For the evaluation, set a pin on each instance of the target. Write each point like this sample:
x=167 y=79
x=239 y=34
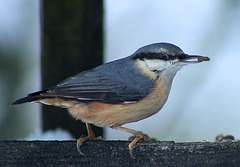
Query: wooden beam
x=115 y=153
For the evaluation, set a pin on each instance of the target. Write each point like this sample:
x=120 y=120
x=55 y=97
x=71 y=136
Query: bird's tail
x=31 y=98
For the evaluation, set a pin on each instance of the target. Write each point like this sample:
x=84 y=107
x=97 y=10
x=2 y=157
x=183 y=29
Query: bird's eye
x=165 y=57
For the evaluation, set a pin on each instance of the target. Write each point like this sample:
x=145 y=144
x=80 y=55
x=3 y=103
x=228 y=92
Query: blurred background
x=204 y=98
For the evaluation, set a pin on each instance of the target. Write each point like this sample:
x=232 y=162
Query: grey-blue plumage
x=114 y=83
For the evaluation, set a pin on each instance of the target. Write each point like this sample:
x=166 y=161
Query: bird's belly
x=107 y=115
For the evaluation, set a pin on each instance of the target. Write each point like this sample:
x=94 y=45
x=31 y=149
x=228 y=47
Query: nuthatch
x=119 y=92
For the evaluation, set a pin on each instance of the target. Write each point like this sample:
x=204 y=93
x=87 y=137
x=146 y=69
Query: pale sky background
x=204 y=98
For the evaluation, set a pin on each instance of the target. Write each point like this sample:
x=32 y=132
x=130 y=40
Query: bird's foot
x=138 y=136
x=90 y=136
x=80 y=142
x=146 y=138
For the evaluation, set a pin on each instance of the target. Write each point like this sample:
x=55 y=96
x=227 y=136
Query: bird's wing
x=92 y=86
x=114 y=83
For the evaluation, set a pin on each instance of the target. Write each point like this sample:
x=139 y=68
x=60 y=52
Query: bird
x=119 y=92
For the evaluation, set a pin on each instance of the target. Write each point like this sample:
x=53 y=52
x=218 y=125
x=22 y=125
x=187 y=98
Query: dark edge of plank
x=115 y=153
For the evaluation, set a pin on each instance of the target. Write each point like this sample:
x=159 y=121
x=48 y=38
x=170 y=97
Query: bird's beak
x=193 y=59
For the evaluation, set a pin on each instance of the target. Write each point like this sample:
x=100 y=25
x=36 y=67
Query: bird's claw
x=139 y=136
x=79 y=144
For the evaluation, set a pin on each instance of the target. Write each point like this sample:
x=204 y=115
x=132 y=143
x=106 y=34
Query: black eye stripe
x=181 y=56
x=161 y=56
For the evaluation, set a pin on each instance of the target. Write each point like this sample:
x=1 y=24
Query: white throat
x=159 y=69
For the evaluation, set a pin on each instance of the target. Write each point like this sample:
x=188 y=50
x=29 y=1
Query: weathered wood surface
x=115 y=153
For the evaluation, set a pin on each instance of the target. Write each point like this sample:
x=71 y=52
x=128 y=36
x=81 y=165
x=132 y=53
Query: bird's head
x=163 y=59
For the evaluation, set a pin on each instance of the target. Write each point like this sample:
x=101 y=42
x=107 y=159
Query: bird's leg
x=139 y=136
x=90 y=136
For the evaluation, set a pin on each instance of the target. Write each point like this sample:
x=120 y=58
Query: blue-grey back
x=115 y=82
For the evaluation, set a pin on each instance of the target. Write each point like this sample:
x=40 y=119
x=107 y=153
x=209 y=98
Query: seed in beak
x=200 y=59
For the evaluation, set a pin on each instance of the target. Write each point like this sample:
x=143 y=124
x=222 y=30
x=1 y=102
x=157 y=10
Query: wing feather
x=114 y=83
